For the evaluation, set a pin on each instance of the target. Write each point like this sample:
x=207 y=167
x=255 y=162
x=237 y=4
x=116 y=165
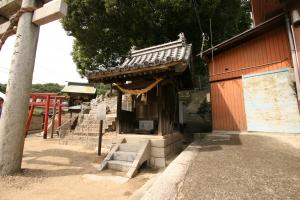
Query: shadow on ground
x=214 y=142
x=59 y=162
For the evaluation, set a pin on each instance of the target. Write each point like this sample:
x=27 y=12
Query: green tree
x=40 y=88
x=46 y=88
x=2 y=88
x=105 y=30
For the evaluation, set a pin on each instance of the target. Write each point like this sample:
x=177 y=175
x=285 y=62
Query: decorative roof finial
x=133 y=48
x=182 y=37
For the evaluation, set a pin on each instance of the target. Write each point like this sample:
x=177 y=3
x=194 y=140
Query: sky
x=53 y=62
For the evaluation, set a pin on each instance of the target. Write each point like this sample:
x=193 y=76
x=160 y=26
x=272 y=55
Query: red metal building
x=240 y=68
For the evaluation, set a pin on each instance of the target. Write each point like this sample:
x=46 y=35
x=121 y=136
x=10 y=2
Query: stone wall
x=197 y=111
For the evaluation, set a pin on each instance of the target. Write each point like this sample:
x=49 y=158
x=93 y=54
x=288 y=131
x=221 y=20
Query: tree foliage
x=2 y=88
x=40 y=88
x=46 y=88
x=105 y=30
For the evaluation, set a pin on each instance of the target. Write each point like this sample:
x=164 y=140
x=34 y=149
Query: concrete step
x=119 y=165
x=129 y=147
x=124 y=156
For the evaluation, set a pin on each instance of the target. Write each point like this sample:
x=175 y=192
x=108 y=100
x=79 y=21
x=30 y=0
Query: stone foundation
x=162 y=147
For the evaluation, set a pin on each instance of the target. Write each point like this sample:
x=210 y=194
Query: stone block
x=161 y=152
x=51 y=11
x=157 y=162
x=9 y=7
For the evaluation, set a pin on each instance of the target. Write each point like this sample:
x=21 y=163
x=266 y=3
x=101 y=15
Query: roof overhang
x=245 y=36
x=78 y=89
x=126 y=75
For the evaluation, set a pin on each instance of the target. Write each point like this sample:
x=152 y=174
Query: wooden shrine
x=152 y=76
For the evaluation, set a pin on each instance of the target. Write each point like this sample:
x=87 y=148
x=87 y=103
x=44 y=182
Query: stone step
x=119 y=165
x=124 y=156
x=129 y=147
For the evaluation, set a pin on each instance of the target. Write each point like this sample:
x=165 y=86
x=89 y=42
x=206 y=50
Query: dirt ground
x=53 y=171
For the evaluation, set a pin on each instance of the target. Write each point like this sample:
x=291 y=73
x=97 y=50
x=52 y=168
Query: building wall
x=265 y=9
x=270 y=49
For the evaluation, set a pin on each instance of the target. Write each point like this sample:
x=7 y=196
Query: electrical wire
x=205 y=38
x=195 y=6
x=211 y=44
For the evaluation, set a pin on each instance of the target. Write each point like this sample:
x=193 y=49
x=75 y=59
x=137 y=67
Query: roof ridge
x=181 y=40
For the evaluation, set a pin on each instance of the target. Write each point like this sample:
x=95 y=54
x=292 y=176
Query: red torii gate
x=47 y=100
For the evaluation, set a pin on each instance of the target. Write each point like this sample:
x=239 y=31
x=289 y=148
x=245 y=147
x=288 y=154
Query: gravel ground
x=243 y=167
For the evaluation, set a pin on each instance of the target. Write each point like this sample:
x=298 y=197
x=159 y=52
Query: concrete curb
x=169 y=182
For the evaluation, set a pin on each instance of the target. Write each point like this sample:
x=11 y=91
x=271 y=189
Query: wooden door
x=228 y=110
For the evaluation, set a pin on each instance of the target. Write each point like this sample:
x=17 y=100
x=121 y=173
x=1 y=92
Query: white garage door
x=271 y=102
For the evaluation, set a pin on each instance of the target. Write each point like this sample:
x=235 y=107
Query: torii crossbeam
x=15 y=111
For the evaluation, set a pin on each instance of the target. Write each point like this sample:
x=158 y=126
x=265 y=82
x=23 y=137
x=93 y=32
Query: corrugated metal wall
x=228 y=110
x=228 y=105
x=264 y=9
x=268 y=48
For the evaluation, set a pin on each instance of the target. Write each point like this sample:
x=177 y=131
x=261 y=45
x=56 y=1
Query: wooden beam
x=51 y=11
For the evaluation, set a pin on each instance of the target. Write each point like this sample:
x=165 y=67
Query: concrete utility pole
x=15 y=111
x=12 y=123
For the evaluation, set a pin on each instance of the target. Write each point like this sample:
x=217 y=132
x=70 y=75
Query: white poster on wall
x=271 y=102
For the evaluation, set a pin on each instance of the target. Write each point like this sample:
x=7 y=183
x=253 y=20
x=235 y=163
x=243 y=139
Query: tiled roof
x=79 y=89
x=165 y=54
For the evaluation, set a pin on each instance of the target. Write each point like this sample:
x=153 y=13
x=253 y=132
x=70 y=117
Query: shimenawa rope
x=12 y=28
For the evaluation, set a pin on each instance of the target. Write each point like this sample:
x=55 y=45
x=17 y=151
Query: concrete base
x=162 y=147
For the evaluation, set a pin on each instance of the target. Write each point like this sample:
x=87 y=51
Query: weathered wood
x=134 y=71
x=51 y=11
x=100 y=137
x=159 y=109
x=119 y=110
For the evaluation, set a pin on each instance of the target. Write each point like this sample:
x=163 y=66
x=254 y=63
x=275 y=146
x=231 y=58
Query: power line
x=211 y=45
x=205 y=38
x=195 y=6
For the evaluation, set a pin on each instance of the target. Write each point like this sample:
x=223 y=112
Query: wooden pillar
x=15 y=112
x=159 y=109
x=53 y=117
x=59 y=112
x=30 y=115
x=100 y=137
x=119 y=111
x=46 y=117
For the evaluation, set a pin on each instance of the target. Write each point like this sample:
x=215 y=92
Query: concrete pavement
x=232 y=166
